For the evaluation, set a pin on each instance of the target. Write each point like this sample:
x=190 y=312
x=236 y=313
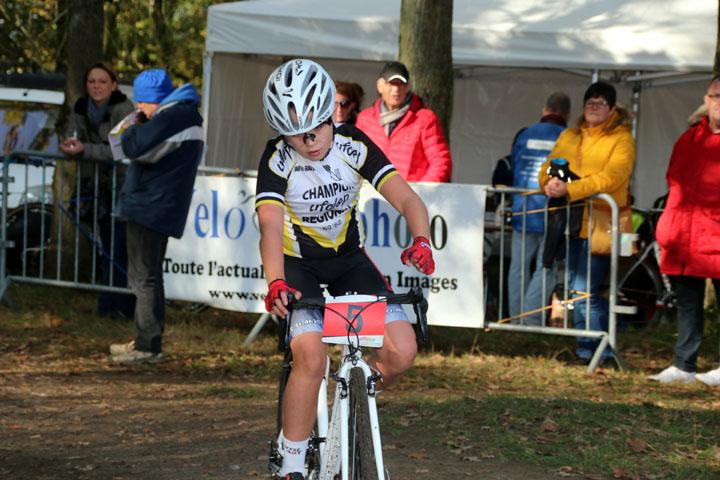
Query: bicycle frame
x=332 y=435
x=342 y=397
x=333 y=430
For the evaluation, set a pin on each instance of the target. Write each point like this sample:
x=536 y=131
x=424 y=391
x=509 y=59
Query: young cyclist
x=310 y=234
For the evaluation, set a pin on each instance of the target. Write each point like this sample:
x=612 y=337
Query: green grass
x=480 y=394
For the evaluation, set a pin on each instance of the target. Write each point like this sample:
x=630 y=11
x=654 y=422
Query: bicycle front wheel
x=362 y=455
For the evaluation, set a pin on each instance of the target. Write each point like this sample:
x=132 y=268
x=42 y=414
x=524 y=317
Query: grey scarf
x=390 y=118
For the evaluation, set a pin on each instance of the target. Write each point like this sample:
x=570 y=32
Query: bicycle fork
x=322 y=410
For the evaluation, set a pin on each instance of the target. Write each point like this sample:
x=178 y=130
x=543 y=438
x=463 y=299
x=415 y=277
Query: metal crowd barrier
x=68 y=210
x=607 y=339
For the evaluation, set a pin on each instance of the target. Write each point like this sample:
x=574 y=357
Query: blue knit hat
x=152 y=86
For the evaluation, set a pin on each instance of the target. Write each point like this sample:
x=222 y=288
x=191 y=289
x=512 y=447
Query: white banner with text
x=217 y=261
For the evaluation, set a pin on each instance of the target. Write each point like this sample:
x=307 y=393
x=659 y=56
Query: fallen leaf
x=637 y=445
x=564 y=472
x=420 y=454
x=624 y=474
x=549 y=425
x=471 y=459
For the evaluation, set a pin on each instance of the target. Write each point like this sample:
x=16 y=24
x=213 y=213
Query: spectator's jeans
x=599 y=309
x=112 y=304
x=534 y=245
x=690 y=293
x=146 y=252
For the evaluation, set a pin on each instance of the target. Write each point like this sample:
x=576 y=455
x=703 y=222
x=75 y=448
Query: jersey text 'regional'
x=320 y=197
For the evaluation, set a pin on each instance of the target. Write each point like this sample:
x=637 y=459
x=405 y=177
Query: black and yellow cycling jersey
x=320 y=197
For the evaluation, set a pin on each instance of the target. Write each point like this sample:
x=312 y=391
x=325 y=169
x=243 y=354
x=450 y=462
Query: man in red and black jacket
x=407 y=132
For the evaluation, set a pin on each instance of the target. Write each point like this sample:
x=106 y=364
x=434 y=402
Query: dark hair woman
x=93 y=116
x=348 y=97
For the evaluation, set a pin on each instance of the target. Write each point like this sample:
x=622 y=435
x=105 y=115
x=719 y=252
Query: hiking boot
x=711 y=378
x=135 y=357
x=122 y=348
x=293 y=476
x=674 y=374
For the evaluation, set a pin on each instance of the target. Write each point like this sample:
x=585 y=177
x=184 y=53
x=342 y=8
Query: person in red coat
x=689 y=235
x=407 y=132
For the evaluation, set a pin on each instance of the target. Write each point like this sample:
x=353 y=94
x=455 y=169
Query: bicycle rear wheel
x=642 y=287
x=362 y=455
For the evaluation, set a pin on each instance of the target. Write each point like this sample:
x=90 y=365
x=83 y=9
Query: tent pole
x=205 y=101
x=636 y=89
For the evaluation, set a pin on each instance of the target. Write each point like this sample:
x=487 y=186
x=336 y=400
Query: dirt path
x=89 y=420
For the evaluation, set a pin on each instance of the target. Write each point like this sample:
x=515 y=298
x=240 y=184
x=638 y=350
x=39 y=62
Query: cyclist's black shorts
x=352 y=272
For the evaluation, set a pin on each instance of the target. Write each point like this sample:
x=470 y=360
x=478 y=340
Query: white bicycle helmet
x=299 y=96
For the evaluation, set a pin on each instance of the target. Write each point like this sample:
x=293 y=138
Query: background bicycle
x=640 y=283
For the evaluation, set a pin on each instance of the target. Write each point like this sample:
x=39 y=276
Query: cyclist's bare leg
x=301 y=392
x=397 y=353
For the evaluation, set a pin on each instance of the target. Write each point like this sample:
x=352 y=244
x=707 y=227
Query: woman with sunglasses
x=348 y=97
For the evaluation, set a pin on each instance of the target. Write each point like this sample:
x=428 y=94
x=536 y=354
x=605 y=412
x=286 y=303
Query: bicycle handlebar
x=413 y=297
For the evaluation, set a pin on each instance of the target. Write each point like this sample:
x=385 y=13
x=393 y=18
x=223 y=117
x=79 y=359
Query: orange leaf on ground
x=624 y=474
x=549 y=425
x=637 y=445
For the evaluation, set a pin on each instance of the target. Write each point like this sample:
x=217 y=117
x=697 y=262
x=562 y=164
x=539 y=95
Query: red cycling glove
x=276 y=286
x=420 y=250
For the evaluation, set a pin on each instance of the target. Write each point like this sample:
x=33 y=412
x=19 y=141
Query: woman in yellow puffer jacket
x=601 y=151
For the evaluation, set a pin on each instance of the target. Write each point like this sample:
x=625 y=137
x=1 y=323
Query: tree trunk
x=85 y=43
x=426 y=50
x=161 y=10
x=85 y=23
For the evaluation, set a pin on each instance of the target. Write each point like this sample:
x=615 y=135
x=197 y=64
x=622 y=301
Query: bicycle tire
x=15 y=227
x=362 y=455
x=643 y=288
x=284 y=375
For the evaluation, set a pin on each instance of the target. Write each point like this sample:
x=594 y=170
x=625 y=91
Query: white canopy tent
x=508 y=55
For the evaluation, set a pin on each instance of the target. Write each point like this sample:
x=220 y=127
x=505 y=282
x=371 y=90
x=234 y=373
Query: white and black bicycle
x=346 y=443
